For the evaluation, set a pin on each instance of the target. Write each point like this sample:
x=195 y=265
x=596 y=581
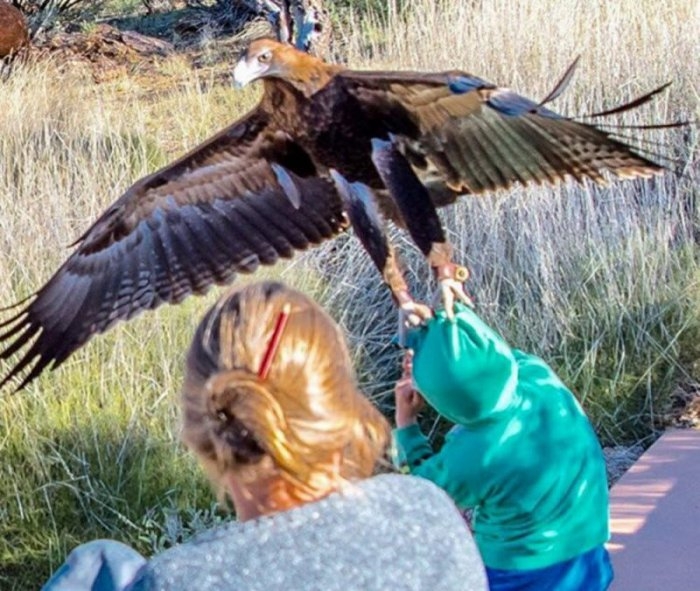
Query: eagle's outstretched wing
x=467 y=136
x=233 y=203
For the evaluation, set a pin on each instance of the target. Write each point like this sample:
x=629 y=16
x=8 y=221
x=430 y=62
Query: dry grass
x=603 y=282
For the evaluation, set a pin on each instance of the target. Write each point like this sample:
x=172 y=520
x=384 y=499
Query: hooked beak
x=246 y=72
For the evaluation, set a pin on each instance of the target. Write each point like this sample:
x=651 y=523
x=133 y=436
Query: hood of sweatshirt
x=463 y=368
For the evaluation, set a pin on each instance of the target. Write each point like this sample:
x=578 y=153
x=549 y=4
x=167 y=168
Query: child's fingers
x=403 y=387
x=407 y=363
x=416 y=399
x=403 y=382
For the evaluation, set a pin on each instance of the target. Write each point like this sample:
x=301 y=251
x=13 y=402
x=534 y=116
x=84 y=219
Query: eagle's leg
x=411 y=312
x=450 y=277
x=422 y=221
x=361 y=209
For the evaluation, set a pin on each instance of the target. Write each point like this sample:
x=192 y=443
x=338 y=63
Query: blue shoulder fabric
x=101 y=565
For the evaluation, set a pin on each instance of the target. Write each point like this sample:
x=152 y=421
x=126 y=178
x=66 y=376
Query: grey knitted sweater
x=389 y=532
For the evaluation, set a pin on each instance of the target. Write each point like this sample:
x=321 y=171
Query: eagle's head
x=267 y=58
x=264 y=58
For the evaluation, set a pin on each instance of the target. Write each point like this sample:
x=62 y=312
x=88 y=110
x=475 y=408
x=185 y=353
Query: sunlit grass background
x=603 y=282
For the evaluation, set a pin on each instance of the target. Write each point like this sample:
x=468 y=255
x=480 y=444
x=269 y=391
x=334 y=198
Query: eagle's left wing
x=474 y=137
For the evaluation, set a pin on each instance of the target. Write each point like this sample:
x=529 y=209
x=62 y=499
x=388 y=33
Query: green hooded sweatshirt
x=522 y=454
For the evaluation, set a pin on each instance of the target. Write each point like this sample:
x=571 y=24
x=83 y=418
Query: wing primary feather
x=558 y=155
x=638 y=143
x=645 y=154
x=562 y=84
x=75 y=302
x=29 y=331
x=15 y=306
x=593 y=151
x=13 y=319
x=630 y=105
x=27 y=359
x=62 y=334
x=51 y=328
x=55 y=298
x=650 y=126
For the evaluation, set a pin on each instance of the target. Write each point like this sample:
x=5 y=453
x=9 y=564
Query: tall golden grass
x=603 y=282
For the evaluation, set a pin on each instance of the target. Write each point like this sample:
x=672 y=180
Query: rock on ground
x=14 y=33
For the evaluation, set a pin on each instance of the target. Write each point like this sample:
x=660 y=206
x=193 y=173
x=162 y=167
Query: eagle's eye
x=265 y=57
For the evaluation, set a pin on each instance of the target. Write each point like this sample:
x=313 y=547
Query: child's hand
x=408 y=401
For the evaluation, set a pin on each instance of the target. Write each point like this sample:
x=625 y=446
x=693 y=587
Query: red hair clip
x=274 y=342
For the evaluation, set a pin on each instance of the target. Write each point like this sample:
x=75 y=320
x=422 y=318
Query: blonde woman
x=271 y=409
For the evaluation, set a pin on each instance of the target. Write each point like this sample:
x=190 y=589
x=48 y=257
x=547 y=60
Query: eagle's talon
x=411 y=315
x=451 y=291
x=414 y=313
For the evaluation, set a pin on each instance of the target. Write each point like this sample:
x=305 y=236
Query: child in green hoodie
x=523 y=455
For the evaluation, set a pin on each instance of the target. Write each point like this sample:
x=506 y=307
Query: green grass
x=601 y=282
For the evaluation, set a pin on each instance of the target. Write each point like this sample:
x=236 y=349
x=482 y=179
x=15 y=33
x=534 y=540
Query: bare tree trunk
x=303 y=23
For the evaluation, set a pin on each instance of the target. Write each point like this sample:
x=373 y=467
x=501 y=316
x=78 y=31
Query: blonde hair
x=303 y=414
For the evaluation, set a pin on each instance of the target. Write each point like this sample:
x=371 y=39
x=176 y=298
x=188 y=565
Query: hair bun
x=226 y=406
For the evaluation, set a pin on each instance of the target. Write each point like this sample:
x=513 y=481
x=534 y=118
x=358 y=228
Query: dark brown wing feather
x=220 y=210
x=465 y=134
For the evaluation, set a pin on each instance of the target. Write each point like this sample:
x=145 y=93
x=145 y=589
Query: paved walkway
x=655 y=517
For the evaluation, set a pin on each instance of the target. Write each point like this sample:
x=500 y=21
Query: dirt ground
x=142 y=46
